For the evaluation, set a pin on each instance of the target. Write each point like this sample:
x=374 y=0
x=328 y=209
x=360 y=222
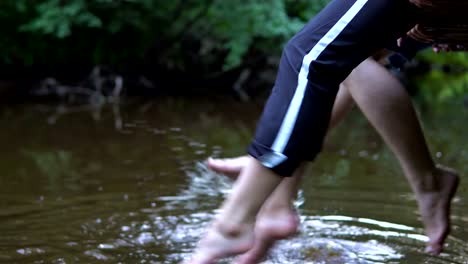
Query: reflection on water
x=81 y=191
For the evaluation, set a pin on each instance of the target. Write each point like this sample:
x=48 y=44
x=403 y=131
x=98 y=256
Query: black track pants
x=313 y=64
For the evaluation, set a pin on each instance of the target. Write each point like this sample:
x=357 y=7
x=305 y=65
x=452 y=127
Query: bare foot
x=221 y=241
x=434 y=206
x=231 y=167
x=269 y=228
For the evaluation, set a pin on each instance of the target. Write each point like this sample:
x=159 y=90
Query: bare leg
x=395 y=119
x=389 y=110
x=277 y=218
x=233 y=231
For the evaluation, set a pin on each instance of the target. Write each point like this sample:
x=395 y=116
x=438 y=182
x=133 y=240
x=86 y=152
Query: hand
x=399 y=42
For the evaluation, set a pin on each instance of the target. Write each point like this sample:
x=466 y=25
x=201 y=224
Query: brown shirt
x=441 y=21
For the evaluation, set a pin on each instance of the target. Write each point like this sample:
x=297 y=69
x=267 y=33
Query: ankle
x=277 y=210
x=232 y=229
x=430 y=182
x=435 y=179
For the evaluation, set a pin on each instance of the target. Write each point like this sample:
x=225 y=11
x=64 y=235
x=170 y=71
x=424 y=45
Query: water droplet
x=96 y=254
x=145 y=238
x=145 y=227
x=71 y=244
x=106 y=246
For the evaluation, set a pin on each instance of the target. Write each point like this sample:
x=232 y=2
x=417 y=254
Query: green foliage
x=304 y=9
x=108 y=31
x=241 y=24
x=96 y=31
x=58 y=19
x=449 y=58
x=447 y=79
x=202 y=36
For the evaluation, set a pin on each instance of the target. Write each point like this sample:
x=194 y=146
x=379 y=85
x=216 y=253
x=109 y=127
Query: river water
x=127 y=184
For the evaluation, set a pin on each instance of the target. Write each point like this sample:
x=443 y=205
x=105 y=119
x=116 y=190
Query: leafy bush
x=109 y=31
x=447 y=78
x=201 y=36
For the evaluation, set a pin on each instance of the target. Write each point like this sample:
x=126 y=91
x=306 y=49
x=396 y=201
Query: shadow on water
x=78 y=190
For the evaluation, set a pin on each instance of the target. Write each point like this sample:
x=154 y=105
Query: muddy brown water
x=128 y=185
